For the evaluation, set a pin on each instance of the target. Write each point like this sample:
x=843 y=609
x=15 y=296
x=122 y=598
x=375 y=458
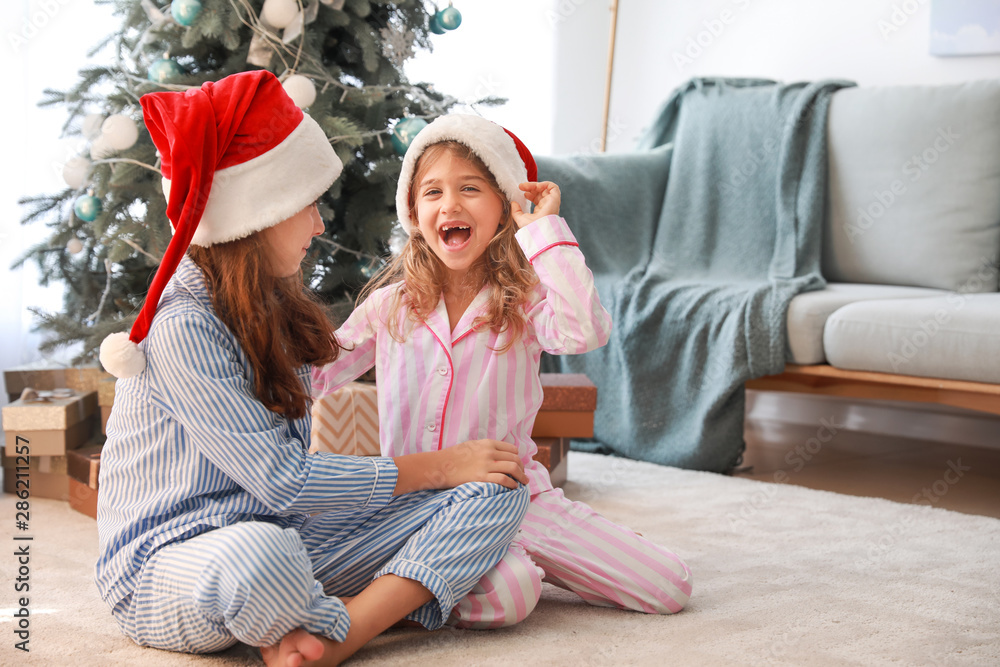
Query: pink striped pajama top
x=441 y=387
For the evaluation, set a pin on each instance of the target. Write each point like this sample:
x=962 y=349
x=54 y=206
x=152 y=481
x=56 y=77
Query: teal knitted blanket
x=698 y=242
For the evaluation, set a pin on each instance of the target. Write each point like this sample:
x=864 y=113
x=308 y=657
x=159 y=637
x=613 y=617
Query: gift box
x=53 y=485
x=84 y=464
x=105 y=401
x=552 y=453
x=568 y=404
x=46 y=376
x=346 y=421
x=40 y=375
x=51 y=426
x=82 y=498
x=86 y=379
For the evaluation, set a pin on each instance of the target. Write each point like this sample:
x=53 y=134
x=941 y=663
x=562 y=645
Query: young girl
x=215 y=524
x=455 y=327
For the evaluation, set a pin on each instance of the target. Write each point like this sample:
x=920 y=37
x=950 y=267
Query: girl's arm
x=472 y=461
x=357 y=337
x=197 y=377
x=569 y=317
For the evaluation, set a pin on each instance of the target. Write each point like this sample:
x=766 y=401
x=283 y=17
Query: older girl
x=215 y=524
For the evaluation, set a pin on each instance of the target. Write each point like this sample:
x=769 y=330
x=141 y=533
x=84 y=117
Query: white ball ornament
x=75 y=172
x=301 y=89
x=100 y=148
x=279 y=13
x=91 y=127
x=74 y=246
x=120 y=132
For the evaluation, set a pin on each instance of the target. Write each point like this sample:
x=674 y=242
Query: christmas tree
x=340 y=60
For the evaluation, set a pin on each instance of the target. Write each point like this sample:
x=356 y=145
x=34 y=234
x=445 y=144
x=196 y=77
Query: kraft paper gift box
x=552 y=453
x=568 y=404
x=82 y=498
x=84 y=464
x=46 y=376
x=39 y=375
x=52 y=485
x=105 y=400
x=53 y=427
x=346 y=421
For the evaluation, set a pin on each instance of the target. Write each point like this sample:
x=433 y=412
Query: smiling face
x=457 y=209
x=289 y=240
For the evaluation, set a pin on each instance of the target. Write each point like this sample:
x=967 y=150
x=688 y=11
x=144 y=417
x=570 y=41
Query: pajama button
x=430 y=427
x=443 y=370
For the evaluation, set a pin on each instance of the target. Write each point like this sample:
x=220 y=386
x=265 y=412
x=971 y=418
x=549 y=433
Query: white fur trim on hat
x=269 y=188
x=121 y=357
x=486 y=139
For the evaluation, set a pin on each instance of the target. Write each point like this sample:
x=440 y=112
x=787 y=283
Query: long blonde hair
x=502 y=267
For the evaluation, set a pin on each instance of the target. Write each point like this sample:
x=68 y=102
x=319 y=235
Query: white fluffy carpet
x=783 y=575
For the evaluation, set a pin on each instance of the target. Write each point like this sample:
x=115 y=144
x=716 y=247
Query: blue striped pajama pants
x=255 y=582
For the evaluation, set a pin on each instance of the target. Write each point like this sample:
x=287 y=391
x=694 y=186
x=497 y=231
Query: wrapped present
x=53 y=485
x=552 y=453
x=346 y=421
x=46 y=376
x=47 y=464
x=51 y=424
x=84 y=464
x=40 y=375
x=568 y=405
x=105 y=401
x=106 y=392
x=86 y=379
x=82 y=498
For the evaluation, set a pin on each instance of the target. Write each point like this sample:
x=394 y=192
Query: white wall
x=881 y=42
x=502 y=50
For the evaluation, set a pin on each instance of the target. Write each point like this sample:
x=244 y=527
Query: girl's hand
x=546 y=198
x=472 y=461
x=483 y=461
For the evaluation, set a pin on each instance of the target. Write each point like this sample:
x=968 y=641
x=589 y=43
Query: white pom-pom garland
x=121 y=357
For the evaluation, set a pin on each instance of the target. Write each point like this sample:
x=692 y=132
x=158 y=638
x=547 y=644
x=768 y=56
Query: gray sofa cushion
x=808 y=312
x=955 y=336
x=915 y=186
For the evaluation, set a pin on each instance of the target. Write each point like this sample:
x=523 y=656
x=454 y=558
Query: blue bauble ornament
x=185 y=11
x=164 y=70
x=404 y=133
x=435 y=26
x=449 y=18
x=87 y=207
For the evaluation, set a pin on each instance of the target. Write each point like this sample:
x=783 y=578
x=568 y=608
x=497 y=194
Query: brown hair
x=503 y=268
x=278 y=322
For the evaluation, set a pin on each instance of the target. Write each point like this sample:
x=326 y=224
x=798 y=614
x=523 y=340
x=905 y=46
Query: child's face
x=457 y=211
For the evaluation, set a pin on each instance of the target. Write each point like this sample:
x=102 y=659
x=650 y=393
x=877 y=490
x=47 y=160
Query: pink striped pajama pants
x=568 y=544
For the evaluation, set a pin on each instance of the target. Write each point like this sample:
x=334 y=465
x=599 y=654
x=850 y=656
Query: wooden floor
x=954 y=477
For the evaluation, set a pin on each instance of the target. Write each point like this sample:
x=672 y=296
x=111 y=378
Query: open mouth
x=456 y=236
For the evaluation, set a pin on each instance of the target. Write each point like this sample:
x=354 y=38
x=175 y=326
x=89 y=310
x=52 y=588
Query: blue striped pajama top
x=190 y=448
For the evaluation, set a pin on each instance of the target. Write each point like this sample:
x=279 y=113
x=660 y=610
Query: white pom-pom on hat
x=121 y=357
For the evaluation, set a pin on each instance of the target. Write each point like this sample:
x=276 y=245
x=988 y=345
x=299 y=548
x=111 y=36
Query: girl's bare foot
x=294 y=649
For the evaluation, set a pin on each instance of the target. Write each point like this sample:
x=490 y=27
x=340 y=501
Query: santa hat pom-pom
x=121 y=357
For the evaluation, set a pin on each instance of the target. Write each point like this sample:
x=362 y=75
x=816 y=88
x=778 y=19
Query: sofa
x=907 y=241
x=911 y=243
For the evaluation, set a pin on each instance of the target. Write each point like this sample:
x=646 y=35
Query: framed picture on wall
x=965 y=27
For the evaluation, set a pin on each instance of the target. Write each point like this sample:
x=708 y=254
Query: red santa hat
x=507 y=158
x=237 y=156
